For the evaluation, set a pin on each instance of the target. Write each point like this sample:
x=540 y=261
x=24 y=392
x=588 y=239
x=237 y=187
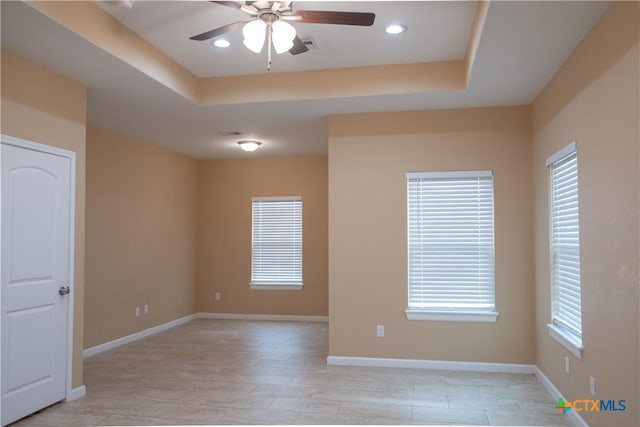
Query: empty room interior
x=320 y=212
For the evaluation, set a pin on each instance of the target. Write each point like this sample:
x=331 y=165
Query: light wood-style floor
x=243 y=372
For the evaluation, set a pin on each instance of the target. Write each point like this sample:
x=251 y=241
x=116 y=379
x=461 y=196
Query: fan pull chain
x=269 y=34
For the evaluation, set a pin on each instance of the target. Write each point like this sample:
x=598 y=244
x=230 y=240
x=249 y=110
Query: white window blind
x=565 y=243
x=450 y=233
x=276 y=241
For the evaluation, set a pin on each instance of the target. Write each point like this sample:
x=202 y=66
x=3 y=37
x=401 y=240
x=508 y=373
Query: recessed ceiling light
x=222 y=43
x=249 y=145
x=395 y=29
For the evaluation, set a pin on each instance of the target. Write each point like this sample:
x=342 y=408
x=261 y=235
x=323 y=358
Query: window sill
x=263 y=287
x=567 y=341
x=452 y=316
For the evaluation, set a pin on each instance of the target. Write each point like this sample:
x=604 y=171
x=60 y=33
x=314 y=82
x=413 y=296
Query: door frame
x=71 y=155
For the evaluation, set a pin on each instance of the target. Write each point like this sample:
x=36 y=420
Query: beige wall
x=141 y=236
x=224 y=247
x=369 y=155
x=593 y=100
x=42 y=106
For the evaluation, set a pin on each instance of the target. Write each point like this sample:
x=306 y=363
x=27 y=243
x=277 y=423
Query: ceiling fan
x=269 y=21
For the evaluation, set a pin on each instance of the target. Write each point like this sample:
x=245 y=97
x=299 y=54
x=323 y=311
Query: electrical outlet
x=380 y=331
x=217 y=296
x=138 y=311
x=592 y=386
x=146 y=309
x=566 y=365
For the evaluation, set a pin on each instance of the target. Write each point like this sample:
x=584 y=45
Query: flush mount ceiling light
x=395 y=29
x=249 y=145
x=221 y=43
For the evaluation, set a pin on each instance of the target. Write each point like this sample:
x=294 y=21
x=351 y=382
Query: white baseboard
x=574 y=416
x=267 y=317
x=431 y=364
x=147 y=332
x=138 y=335
x=76 y=393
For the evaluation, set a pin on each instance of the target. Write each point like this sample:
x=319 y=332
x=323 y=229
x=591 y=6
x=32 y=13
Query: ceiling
x=520 y=47
x=168 y=26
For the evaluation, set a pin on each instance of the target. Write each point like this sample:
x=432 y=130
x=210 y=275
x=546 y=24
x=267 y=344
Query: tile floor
x=243 y=372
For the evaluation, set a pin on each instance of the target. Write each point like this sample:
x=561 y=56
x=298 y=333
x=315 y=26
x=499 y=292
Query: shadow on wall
x=587 y=66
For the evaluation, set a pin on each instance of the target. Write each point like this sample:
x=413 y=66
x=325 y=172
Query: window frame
x=454 y=314
x=562 y=334
x=263 y=285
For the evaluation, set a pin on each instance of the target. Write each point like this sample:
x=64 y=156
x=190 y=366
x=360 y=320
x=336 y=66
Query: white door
x=36 y=259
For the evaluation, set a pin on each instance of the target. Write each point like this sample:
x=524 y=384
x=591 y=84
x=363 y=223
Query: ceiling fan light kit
x=283 y=35
x=269 y=22
x=254 y=33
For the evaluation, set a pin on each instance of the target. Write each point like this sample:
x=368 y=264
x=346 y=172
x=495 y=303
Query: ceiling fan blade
x=285 y=5
x=340 y=18
x=243 y=6
x=233 y=4
x=219 y=31
x=247 y=8
x=290 y=17
x=298 y=47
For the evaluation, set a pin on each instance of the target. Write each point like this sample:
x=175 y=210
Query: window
x=566 y=317
x=450 y=245
x=276 y=243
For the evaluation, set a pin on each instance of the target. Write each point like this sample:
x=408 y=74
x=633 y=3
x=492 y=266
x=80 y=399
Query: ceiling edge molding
x=425 y=77
x=477 y=28
x=99 y=28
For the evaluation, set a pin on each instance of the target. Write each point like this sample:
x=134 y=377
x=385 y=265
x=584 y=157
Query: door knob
x=64 y=290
